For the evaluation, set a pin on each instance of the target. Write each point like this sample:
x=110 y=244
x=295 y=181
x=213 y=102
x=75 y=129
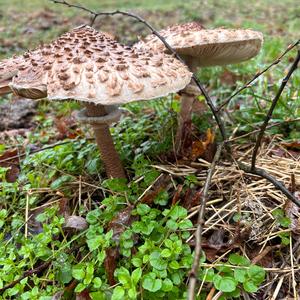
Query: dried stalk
x=200 y=224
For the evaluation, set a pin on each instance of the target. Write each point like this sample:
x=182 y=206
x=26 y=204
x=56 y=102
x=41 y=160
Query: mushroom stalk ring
x=113 y=115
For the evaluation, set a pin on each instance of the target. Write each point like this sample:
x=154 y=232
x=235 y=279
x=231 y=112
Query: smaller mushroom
x=201 y=47
x=91 y=67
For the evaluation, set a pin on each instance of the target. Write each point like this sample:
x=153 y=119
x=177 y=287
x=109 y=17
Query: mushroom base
x=109 y=155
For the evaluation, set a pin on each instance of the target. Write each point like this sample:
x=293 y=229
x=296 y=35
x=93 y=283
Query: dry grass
x=257 y=231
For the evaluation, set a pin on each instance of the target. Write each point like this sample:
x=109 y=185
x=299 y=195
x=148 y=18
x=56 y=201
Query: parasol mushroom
x=8 y=69
x=90 y=66
x=201 y=47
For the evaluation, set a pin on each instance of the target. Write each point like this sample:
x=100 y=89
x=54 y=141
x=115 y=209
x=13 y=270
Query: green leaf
x=152 y=284
x=174 y=265
x=132 y=293
x=177 y=212
x=92 y=216
x=250 y=287
x=240 y=275
x=92 y=166
x=136 y=275
x=166 y=253
x=284 y=221
x=176 y=278
x=99 y=295
x=277 y=213
x=97 y=283
x=60 y=181
x=116 y=184
x=224 y=283
x=118 y=293
x=137 y=262
x=143 y=209
x=167 y=285
x=207 y=275
x=123 y=276
x=171 y=224
x=64 y=273
x=256 y=274
x=89 y=274
x=95 y=243
x=78 y=272
x=238 y=260
x=185 y=224
x=285 y=238
x=168 y=243
x=157 y=262
x=237 y=217
x=224 y=269
x=162 y=198
x=235 y=294
x=80 y=287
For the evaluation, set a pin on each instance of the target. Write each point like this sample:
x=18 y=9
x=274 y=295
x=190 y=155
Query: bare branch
x=273 y=105
x=268 y=127
x=262 y=173
x=248 y=84
x=200 y=224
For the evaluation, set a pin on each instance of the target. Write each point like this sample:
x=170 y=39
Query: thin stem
x=273 y=105
x=109 y=155
x=200 y=224
x=248 y=84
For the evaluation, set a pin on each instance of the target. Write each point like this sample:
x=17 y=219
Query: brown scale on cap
x=70 y=67
x=210 y=46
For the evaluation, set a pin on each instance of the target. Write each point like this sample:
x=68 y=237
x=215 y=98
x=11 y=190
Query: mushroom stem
x=188 y=96
x=105 y=143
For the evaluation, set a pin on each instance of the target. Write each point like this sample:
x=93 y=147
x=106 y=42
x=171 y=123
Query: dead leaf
x=119 y=224
x=160 y=185
x=293 y=212
x=177 y=193
x=229 y=78
x=67 y=127
x=191 y=199
x=199 y=148
x=9 y=159
x=75 y=222
x=84 y=295
x=295 y=145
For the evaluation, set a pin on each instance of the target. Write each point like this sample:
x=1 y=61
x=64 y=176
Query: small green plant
x=233 y=276
x=284 y=222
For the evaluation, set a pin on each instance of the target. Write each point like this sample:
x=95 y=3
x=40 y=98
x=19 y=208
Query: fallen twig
x=268 y=127
x=276 y=183
x=200 y=223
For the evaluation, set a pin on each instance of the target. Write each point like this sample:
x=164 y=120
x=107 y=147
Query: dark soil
x=17 y=114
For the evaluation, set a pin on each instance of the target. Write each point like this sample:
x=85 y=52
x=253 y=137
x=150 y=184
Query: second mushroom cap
x=210 y=46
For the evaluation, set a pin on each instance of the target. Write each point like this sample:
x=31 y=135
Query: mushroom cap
x=88 y=65
x=209 y=46
x=8 y=69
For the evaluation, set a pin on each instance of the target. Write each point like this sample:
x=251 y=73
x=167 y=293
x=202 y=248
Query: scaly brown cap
x=210 y=46
x=90 y=66
x=8 y=69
